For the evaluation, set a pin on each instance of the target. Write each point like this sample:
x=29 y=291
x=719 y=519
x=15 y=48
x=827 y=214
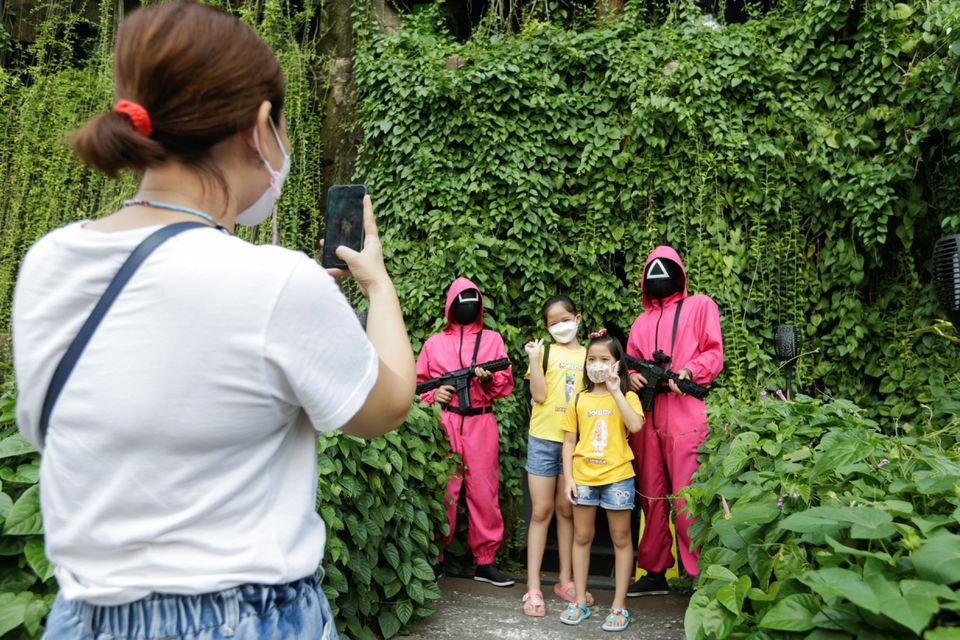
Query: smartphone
x=344 y=224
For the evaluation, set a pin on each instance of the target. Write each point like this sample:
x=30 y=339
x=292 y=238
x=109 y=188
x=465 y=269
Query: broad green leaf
x=37 y=559
x=392 y=555
x=25 y=474
x=938 y=559
x=793 y=613
x=842 y=583
x=942 y=633
x=6 y=502
x=389 y=624
x=23 y=519
x=14 y=445
x=423 y=570
x=404 y=611
x=902 y=11
x=13 y=608
x=842 y=548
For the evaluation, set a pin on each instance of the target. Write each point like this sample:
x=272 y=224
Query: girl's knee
x=582 y=537
x=541 y=513
x=564 y=511
x=621 y=538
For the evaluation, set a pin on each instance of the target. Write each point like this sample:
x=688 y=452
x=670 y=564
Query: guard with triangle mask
x=686 y=329
x=473 y=430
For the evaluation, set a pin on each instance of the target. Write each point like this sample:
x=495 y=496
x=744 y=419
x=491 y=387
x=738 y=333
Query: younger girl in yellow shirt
x=598 y=471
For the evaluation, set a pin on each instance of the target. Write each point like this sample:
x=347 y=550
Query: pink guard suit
x=665 y=450
x=475 y=438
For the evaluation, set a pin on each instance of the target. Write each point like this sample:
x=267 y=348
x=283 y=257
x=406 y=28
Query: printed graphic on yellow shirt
x=599 y=442
x=569 y=385
x=602 y=455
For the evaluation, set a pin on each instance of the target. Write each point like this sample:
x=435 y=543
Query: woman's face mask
x=564 y=332
x=267 y=202
x=598 y=372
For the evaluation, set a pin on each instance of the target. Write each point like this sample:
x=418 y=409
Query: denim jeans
x=248 y=612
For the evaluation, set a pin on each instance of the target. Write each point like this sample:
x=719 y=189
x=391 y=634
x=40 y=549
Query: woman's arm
x=391 y=397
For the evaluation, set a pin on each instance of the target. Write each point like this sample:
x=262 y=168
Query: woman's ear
x=262 y=128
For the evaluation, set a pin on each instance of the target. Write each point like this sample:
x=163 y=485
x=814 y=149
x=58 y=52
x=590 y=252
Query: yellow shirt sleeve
x=570 y=417
x=634 y=401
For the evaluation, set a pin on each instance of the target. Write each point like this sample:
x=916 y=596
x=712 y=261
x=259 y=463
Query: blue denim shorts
x=248 y=612
x=544 y=457
x=618 y=496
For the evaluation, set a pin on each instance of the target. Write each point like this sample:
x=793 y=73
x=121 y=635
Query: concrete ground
x=473 y=610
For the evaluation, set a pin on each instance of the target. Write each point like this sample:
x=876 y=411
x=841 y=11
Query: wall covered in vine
x=65 y=76
x=802 y=162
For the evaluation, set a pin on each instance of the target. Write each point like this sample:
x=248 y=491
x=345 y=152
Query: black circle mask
x=466 y=308
x=662 y=279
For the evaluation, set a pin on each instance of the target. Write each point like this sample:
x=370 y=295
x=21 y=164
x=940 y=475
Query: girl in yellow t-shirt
x=555 y=375
x=598 y=471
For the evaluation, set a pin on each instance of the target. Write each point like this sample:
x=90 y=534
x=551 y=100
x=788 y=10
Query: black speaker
x=786 y=343
x=946 y=276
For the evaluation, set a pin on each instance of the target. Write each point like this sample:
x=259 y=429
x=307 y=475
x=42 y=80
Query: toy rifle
x=657 y=373
x=461 y=378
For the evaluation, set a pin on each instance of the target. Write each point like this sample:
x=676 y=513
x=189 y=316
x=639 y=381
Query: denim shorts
x=544 y=457
x=618 y=496
x=248 y=612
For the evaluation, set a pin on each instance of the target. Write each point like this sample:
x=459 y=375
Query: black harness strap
x=676 y=322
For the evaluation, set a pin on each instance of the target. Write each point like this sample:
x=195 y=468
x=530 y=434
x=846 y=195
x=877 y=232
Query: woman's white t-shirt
x=180 y=456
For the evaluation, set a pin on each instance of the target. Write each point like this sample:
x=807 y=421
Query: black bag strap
x=75 y=350
x=476 y=349
x=676 y=322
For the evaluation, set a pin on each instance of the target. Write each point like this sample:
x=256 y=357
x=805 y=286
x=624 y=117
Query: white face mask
x=564 y=332
x=259 y=210
x=598 y=372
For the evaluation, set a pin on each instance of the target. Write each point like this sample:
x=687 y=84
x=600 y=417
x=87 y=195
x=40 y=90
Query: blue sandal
x=611 y=622
x=581 y=611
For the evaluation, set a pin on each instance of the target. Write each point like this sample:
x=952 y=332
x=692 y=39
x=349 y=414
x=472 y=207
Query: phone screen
x=344 y=224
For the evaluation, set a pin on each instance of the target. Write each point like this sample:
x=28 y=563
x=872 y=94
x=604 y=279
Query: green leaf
x=389 y=624
x=901 y=11
x=37 y=559
x=15 y=445
x=24 y=516
x=423 y=570
x=793 y=613
x=13 y=609
x=938 y=559
x=25 y=474
x=392 y=555
x=6 y=502
x=404 y=611
x=842 y=583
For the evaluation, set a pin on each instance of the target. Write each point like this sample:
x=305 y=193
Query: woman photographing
x=178 y=469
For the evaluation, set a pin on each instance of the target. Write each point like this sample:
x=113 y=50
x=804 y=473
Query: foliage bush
x=802 y=162
x=814 y=523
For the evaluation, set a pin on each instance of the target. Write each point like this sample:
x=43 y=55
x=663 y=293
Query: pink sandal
x=563 y=592
x=533 y=604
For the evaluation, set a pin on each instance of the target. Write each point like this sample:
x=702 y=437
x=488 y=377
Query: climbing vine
x=802 y=162
x=65 y=76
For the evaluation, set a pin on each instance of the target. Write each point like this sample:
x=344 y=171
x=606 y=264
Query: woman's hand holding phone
x=365 y=266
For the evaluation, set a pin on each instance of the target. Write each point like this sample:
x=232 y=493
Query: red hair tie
x=138 y=116
x=598 y=334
